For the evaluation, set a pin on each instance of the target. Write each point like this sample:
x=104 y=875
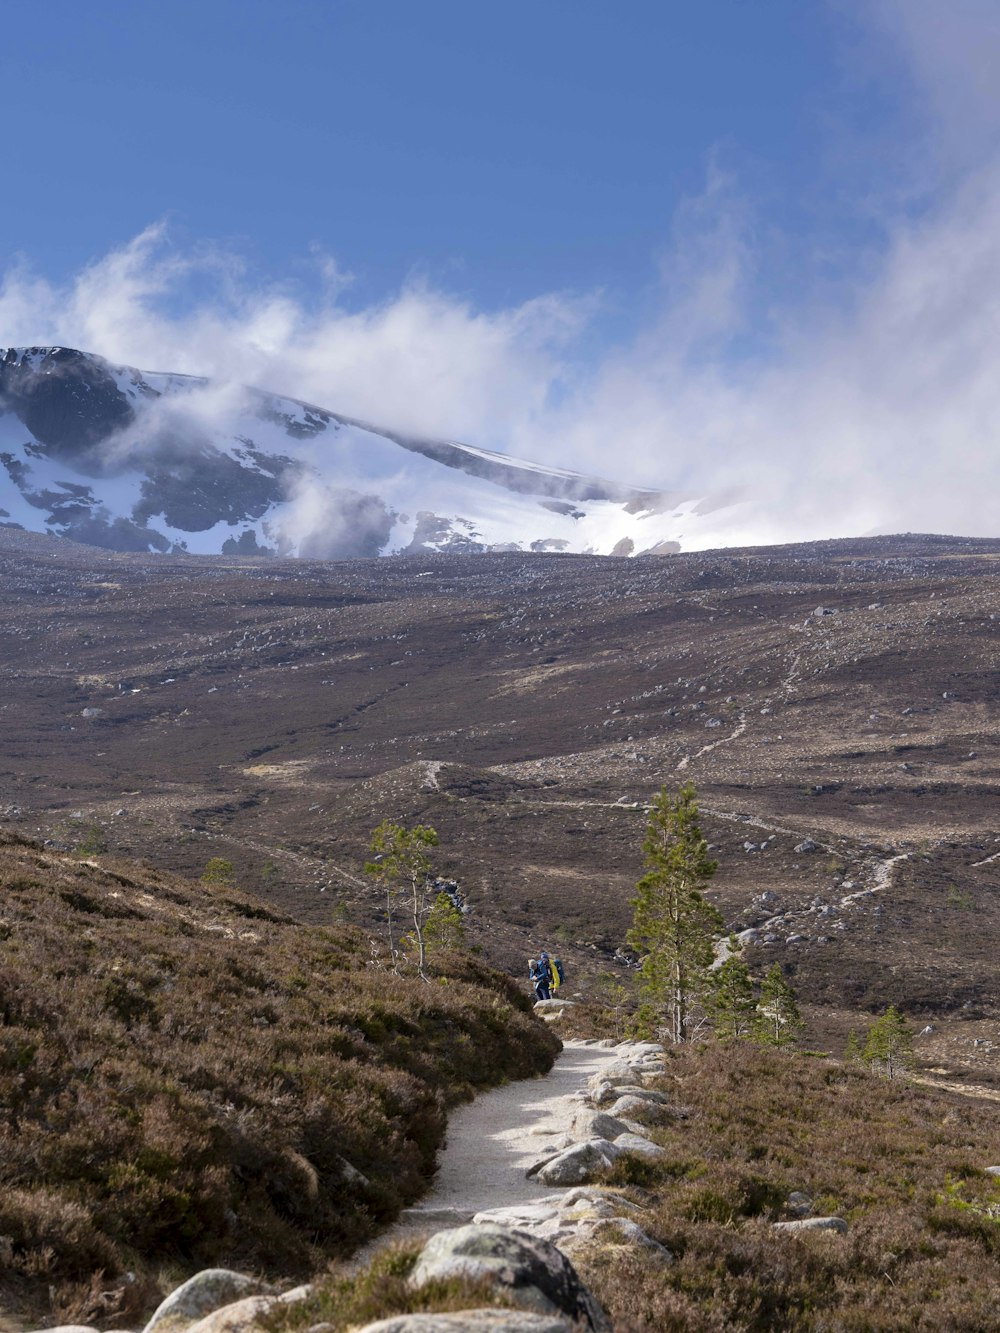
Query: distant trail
x=741 y=727
x=966 y=1089
x=318 y=866
x=994 y=857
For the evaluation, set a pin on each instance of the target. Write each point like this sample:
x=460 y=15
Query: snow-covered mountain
x=135 y=461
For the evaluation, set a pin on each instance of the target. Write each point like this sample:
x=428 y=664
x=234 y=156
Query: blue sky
x=747 y=244
x=499 y=149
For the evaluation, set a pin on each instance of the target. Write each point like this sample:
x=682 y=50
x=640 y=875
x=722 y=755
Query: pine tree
x=444 y=928
x=401 y=864
x=778 y=1022
x=732 y=1003
x=674 y=926
x=889 y=1046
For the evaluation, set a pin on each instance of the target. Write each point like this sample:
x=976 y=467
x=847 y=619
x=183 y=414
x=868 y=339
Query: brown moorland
x=901 y=1166
x=189 y=1078
x=840 y=697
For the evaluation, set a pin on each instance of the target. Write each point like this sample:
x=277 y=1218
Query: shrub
x=187 y=1077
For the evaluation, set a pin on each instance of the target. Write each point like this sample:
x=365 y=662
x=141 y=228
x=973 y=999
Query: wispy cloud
x=878 y=411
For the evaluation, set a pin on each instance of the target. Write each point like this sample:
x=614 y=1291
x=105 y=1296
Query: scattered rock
x=531 y=1271
x=799 y=1204
x=470 y=1321
x=813 y=1224
x=805 y=846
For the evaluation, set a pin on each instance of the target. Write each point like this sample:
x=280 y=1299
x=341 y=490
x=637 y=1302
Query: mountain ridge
x=136 y=460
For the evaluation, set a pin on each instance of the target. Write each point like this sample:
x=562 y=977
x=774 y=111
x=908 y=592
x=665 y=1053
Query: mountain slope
x=134 y=461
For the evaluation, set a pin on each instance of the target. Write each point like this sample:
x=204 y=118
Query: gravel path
x=493 y=1140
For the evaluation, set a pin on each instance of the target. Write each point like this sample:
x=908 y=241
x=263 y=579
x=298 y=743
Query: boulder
x=579 y=1163
x=588 y=1124
x=617 y=1233
x=637 y=1048
x=244 y=1316
x=471 y=1321
x=638 y=1107
x=208 y=1290
x=813 y=1224
x=253 y=1314
x=993 y=1170
x=640 y=1146
x=616 y=1072
x=607 y=1093
x=531 y=1272
x=561 y=1219
x=805 y=846
x=799 y=1204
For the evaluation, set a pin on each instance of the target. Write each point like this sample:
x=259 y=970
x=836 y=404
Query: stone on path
x=531 y=1271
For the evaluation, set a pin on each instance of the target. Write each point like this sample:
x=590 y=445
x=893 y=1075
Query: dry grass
x=184 y=1075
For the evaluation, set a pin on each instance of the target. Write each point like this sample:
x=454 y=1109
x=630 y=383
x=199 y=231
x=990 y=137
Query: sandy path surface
x=493 y=1140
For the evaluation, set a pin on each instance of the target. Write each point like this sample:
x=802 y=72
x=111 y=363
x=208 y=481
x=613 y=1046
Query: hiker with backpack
x=538 y=975
x=553 y=970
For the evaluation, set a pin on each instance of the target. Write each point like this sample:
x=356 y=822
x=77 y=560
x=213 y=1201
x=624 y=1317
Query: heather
x=189 y=1078
x=901 y=1163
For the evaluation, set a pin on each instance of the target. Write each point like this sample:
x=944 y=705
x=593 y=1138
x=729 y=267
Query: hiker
x=538 y=975
x=553 y=970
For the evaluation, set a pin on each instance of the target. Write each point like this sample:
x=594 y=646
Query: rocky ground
x=836 y=704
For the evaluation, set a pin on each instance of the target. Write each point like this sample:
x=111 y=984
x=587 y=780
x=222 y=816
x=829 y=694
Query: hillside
x=835 y=704
x=189 y=1079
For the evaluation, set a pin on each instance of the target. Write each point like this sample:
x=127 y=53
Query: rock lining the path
x=517 y=1244
x=529 y=1269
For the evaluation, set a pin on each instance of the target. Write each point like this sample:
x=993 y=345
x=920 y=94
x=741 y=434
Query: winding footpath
x=493 y=1140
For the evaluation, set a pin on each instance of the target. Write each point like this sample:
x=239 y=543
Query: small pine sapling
x=444 y=928
x=732 y=1004
x=218 y=871
x=401 y=864
x=778 y=1021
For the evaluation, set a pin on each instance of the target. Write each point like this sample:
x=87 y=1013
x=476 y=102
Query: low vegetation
x=188 y=1078
x=903 y=1165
